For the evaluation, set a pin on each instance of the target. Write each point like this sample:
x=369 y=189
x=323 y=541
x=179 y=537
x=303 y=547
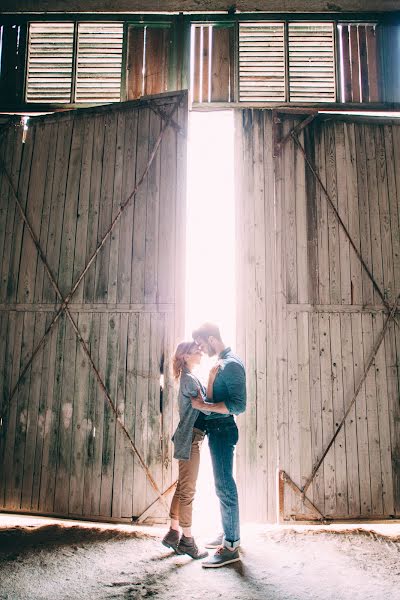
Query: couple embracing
x=207 y=412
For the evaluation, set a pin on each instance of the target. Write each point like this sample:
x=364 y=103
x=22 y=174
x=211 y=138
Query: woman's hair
x=178 y=362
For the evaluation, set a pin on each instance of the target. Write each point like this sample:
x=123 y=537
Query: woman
x=187 y=441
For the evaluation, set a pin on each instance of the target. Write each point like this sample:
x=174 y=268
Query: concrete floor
x=47 y=559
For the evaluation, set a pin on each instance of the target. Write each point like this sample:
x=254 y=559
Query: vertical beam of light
x=210 y=265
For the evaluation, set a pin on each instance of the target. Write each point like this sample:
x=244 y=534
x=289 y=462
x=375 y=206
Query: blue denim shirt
x=189 y=387
x=230 y=384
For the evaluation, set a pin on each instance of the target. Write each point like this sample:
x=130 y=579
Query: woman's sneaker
x=171 y=540
x=222 y=557
x=215 y=543
x=188 y=546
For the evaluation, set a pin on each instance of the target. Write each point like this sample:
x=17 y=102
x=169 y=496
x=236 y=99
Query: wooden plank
x=220 y=65
x=312 y=194
x=304 y=397
x=126 y=225
x=43 y=415
x=51 y=427
x=372 y=417
x=372 y=177
x=383 y=420
x=83 y=205
x=168 y=6
x=52 y=129
x=301 y=224
x=121 y=444
x=81 y=426
x=53 y=250
x=4 y=393
x=333 y=226
x=373 y=72
x=316 y=411
x=365 y=229
x=259 y=437
x=156 y=60
x=154 y=429
x=11 y=149
x=346 y=71
x=342 y=207
x=16 y=426
x=141 y=412
x=391 y=345
x=207 y=62
x=29 y=256
x=392 y=197
x=117 y=200
x=140 y=207
x=197 y=72
x=134 y=79
x=94 y=199
x=294 y=413
x=69 y=227
x=180 y=212
x=353 y=484
x=290 y=216
x=105 y=208
x=65 y=425
x=129 y=414
x=322 y=221
x=384 y=216
x=94 y=417
x=18 y=226
x=355 y=64
x=361 y=418
x=271 y=405
x=364 y=74
x=353 y=212
x=338 y=402
x=110 y=381
x=154 y=184
x=329 y=397
x=167 y=217
x=32 y=415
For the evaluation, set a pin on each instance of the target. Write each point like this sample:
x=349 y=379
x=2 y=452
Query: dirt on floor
x=47 y=559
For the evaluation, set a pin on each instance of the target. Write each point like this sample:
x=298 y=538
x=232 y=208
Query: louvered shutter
x=312 y=62
x=49 y=63
x=99 y=60
x=262 y=62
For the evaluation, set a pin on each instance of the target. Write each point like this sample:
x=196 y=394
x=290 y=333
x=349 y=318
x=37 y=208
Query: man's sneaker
x=222 y=557
x=188 y=546
x=215 y=543
x=171 y=540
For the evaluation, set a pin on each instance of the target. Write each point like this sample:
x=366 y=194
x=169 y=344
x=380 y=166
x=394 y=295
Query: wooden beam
x=199 y=6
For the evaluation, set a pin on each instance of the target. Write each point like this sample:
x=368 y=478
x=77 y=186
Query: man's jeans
x=222 y=438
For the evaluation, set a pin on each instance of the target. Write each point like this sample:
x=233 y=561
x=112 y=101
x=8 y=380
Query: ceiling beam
x=200 y=6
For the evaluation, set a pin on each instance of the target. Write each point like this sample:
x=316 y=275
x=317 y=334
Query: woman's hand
x=198 y=401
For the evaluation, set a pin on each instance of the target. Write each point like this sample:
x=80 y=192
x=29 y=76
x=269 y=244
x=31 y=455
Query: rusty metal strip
x=64 y=305
x=357 y=391
x=293 y=486
x=142 y=517
x=295 y=131
x=331 y=203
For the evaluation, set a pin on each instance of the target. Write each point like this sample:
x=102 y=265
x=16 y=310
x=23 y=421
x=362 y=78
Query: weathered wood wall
x=61 y=448
x=326 y=314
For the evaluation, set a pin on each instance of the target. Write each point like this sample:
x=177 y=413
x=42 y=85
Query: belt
x=218 y=422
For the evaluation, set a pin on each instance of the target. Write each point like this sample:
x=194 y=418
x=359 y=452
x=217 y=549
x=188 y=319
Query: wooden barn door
x=322 y=337
x=91 y=303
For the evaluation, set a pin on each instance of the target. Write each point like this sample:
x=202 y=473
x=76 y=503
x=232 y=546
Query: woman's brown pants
x=181 y=505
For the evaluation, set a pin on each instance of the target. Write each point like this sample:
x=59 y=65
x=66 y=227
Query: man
x=228 y=392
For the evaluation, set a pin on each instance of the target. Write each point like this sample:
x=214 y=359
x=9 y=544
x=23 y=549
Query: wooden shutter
x=359 y=63
x=49 y=64
x=262 y=62
x=99 y=59
x=312 y=62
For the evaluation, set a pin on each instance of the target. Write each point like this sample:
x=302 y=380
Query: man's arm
x=235 y=381
x=208 y=407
